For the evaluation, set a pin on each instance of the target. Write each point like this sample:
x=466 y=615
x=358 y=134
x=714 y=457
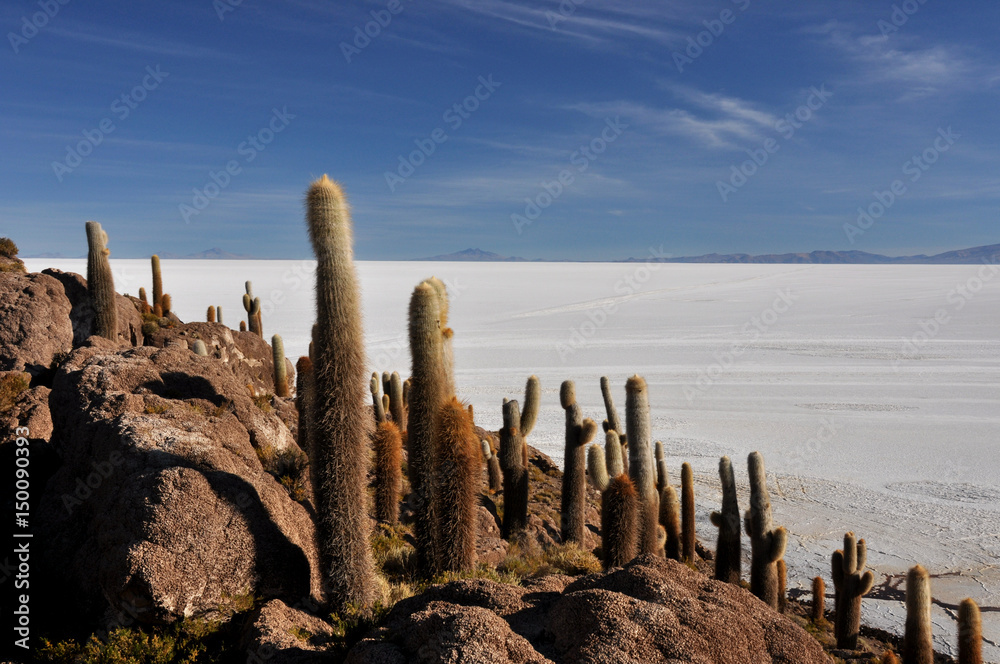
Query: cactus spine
x=851 y=583
x=728 y=555
x=619 y=522
x=970 y=633
x=579 y=432
x=396 y=409
x=428 y=394
x=687 y=513
x=157 y=280
x=767 y=543
x=918 y=644
x=456 y=488
x=280 y=370
x=388 y=446
x=641 y=461
x=101 y=283
x=340 y=424
x=819 y=600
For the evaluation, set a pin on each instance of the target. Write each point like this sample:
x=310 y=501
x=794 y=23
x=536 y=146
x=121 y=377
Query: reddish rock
x=34 y=322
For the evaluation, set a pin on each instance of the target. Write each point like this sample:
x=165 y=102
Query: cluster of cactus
x=579 y=432
x=252 y=306
x=517 y=425
x=339 y=423
x=214 y=315
x=619 y=501
x=851 y=583
x=101 y=283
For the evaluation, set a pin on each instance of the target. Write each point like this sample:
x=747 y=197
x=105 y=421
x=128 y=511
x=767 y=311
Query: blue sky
x=642 y=108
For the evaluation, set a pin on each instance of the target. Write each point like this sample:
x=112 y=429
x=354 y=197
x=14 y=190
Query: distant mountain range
x=989 y=253
x=213 y=254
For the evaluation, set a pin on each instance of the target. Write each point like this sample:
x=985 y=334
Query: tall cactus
x=428 y=393
x=641 y=461
x=970 y=633
x=728 y=551
x=579 y=432
x=303 y=391
x=515 y=472
x=819 y=600
x=614 y=424
x=670 y=520
x=687 y=513
x=280 y=370
x=456 y=477
x=388 y=445
x=101 y=283
x=918 y=642
x=619 y=522
x=767 y=543
x=154 y=261
x=851 y=583
x=340 y=424
x=447 y=353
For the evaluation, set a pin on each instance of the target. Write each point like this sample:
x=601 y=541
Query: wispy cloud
x=142 y=42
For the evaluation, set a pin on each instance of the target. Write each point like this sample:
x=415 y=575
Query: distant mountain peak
x=471 y=255
x=214 y=254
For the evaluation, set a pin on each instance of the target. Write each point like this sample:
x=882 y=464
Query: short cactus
x=918 y=643
x=819 y=600
x=515 y=472
x=218 y=315
x=254 y=318
x=532 y=400
x=456 y=488
x=493 y=473
x=597 y=468
x=614 y=457
x=101 y=283
x=243 y=326
x=199 y=348
x=579 y=432
x=154 y=261
x=166 y=305
x=280 y=370
x=641 y=468
x=662 y=471
x=687 y=514
x=782 y=586
x=210 y=314
x=851 y=583
x=728 y=551
x=670 y=520
x=619 y=522
x=377 y=406
x=396 y=409
x=388 y=446
x=144 y=307
x=767 y=543
x=970 y=633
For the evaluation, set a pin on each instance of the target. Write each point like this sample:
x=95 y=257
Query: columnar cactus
x=303 y=383
x=641 y=461
x=340 y=426
x=662 y=472
x=396 y=409
x=614 y=424
x=280 y=370
x=243 y=326
x=166 y=305
x=614 y=456
x=254 y=318
x=918 y=643
x=687 y=513
x=851 y=583
x=532 y=400
x=619 y=522
x=101 y=283
x=597 y=468
x=579 y=432
x=210 y=314
x=767 y=543
x=385 y=385
x=670 y=521
x=447 y=353
x=388 y=446
x=728 y=551
x=782 y=586
x=970 y=633
x=493 y=473
x=218 y=315
x=456 y=478
x=377 y=406
x=144 y=303
x=819 y=600
x=157 y=280
x=429 y=392
x=515 y=472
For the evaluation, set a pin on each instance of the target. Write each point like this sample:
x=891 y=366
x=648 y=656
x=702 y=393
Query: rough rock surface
x=280 y=634
x=82 y=314
x=30 y=410
x=161 y=507
x=34 y=322
x=650 y=611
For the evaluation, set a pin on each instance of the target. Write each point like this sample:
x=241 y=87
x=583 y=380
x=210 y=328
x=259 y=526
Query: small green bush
x=8 y=248
x=12 y=385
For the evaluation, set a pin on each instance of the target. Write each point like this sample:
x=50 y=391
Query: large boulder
x=162 y=508
x=652 y=610
x=34 y=322
x=81 y=316
x=280 y=634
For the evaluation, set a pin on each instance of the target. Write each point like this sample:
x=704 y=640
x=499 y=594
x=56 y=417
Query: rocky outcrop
x=162 y=508
x=34 y=322
x=279 y=634
x=81 y=315
x=652 y=610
